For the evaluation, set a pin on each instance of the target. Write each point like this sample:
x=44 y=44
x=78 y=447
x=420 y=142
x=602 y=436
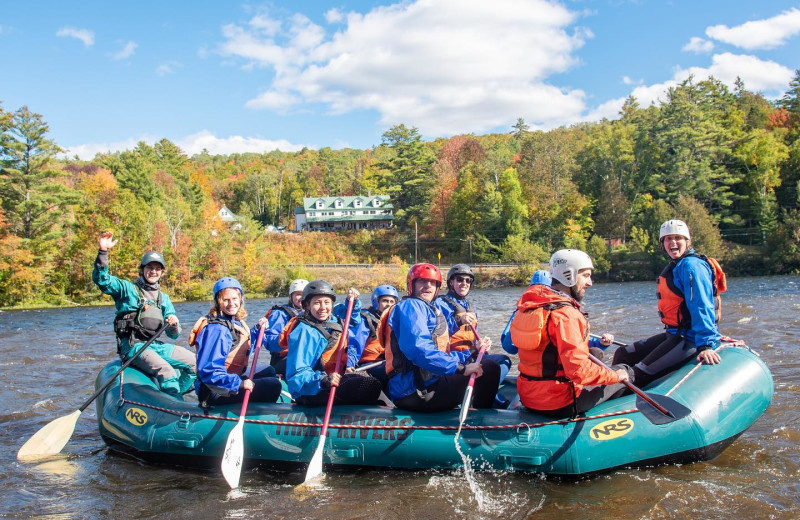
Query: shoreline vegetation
x=725 y=160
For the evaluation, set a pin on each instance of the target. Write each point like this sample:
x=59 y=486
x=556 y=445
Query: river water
x=50 y=359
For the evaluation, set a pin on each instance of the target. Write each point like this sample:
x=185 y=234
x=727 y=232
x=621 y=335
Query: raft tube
x=136 y=418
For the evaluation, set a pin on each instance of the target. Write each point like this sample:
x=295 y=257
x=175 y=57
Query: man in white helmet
x=276 y=319
x=688 y=304
x=550 y=329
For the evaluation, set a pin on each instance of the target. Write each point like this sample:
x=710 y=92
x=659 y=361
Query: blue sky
x=236 y=77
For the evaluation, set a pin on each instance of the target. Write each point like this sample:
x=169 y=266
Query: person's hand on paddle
x=336 y=378
x=248 y=384
x=607 y=339
x=172 y=322
x=709 y=357
x=262 y=322
x=353 y=293
x=106 y=241
x=486 y=343
x=475 y=368
x=622 y=374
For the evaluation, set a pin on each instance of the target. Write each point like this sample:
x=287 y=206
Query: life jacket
x=464 y=338
x=331 y=331
x=672 y=306
x=141 y=323
x=529 y=328
x=543 y=383
x=236 y=360
x=373 y=350
x=396 y=361
x=288 y=309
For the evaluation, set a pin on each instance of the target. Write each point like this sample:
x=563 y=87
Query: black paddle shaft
x=123 y=367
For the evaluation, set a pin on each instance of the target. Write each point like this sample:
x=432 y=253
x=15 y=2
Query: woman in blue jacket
x=313 y=351
x=223 y=349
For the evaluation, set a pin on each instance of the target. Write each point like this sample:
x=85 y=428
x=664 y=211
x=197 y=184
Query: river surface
x=50 y=359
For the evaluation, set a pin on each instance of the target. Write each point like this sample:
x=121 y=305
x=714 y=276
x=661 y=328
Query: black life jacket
x=143 y=322
x=372 y=320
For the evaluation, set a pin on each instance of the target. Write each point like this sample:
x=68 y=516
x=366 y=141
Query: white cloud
x=334 y=16
x=168 y=68
x=698 y=46
x=84 y=35
x=447 y=66
x=126 y=51
x=767 y=77
x=629 y=81
x=191 y=145
x=759 y=34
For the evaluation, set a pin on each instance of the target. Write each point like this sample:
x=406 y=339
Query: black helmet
x=462 y=269
x=152 y=256
x=318 y=288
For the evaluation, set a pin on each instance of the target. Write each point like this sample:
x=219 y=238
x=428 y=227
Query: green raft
x=724 y=400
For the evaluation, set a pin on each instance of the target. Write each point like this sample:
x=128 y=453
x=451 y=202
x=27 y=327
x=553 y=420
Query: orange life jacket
x=553 y=369
x=331 y=331
x=672 y=306
x=236 y=360
x=464 y=338
x=396 y=361
x=373 y=350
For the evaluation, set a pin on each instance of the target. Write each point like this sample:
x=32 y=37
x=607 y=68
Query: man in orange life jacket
x=557 y=378
x=688 y=303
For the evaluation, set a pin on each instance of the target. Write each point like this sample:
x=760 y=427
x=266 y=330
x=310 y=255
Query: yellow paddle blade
x=50 y=439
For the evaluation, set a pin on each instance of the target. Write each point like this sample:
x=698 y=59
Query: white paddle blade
x=465 y=406
x=233 y=455
x=315 y=466
x=50 y=439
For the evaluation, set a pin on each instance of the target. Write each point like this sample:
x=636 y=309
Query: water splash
x=469 y=474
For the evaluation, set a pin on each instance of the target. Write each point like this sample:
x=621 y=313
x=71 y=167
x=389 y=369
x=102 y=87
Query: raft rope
x=350 y=426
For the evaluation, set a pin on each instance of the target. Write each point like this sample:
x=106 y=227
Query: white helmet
x=297 y=285
x=674 y=227
x=565 y=264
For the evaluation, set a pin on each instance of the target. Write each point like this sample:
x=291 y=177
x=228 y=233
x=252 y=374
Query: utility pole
x=416 y=243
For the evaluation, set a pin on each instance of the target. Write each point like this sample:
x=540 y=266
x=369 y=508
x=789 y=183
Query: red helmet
x=425 y=272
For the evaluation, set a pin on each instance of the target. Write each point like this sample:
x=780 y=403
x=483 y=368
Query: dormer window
x=357 y=203
x=320 y=204
x=338 y=204
x=376 y=202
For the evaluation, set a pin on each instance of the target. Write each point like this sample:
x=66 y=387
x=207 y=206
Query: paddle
x=462 y=416
x=668 y=409
x=315 y=466
x=52 y=437
x=234 y=447
x=368 y=366
x=613 y=342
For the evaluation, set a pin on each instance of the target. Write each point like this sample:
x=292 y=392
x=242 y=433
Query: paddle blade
x=462 y=416
x=233 y=455
x=50 y=439
x=315 y=466
x=676 y=410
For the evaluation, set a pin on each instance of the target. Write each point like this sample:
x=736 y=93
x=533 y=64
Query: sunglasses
x=464 y=279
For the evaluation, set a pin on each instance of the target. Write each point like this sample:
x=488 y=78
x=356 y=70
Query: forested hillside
x=728 y=162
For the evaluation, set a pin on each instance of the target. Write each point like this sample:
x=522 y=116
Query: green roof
x=348 y=202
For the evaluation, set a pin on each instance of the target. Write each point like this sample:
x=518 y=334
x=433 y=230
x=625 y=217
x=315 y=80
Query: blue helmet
x=227 y=283
x=541 y=277
x=381 y=291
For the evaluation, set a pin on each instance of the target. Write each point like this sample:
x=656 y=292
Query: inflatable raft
x=722 y=401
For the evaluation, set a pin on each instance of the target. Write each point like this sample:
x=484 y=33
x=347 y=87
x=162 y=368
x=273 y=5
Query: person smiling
x=223 y=349
x=424 y=374
x=689 y=291
x=141 y=309
x=557 y=377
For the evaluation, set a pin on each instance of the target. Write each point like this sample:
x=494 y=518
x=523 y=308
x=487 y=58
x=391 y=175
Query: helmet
x=318 y=288
x=459 y=269
x=152 y=256
x=297 y=285
x=381 y=291
x=565 y=264
x=227 y=283
x=541 y=277
x=674 y=227
x=425 y=272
